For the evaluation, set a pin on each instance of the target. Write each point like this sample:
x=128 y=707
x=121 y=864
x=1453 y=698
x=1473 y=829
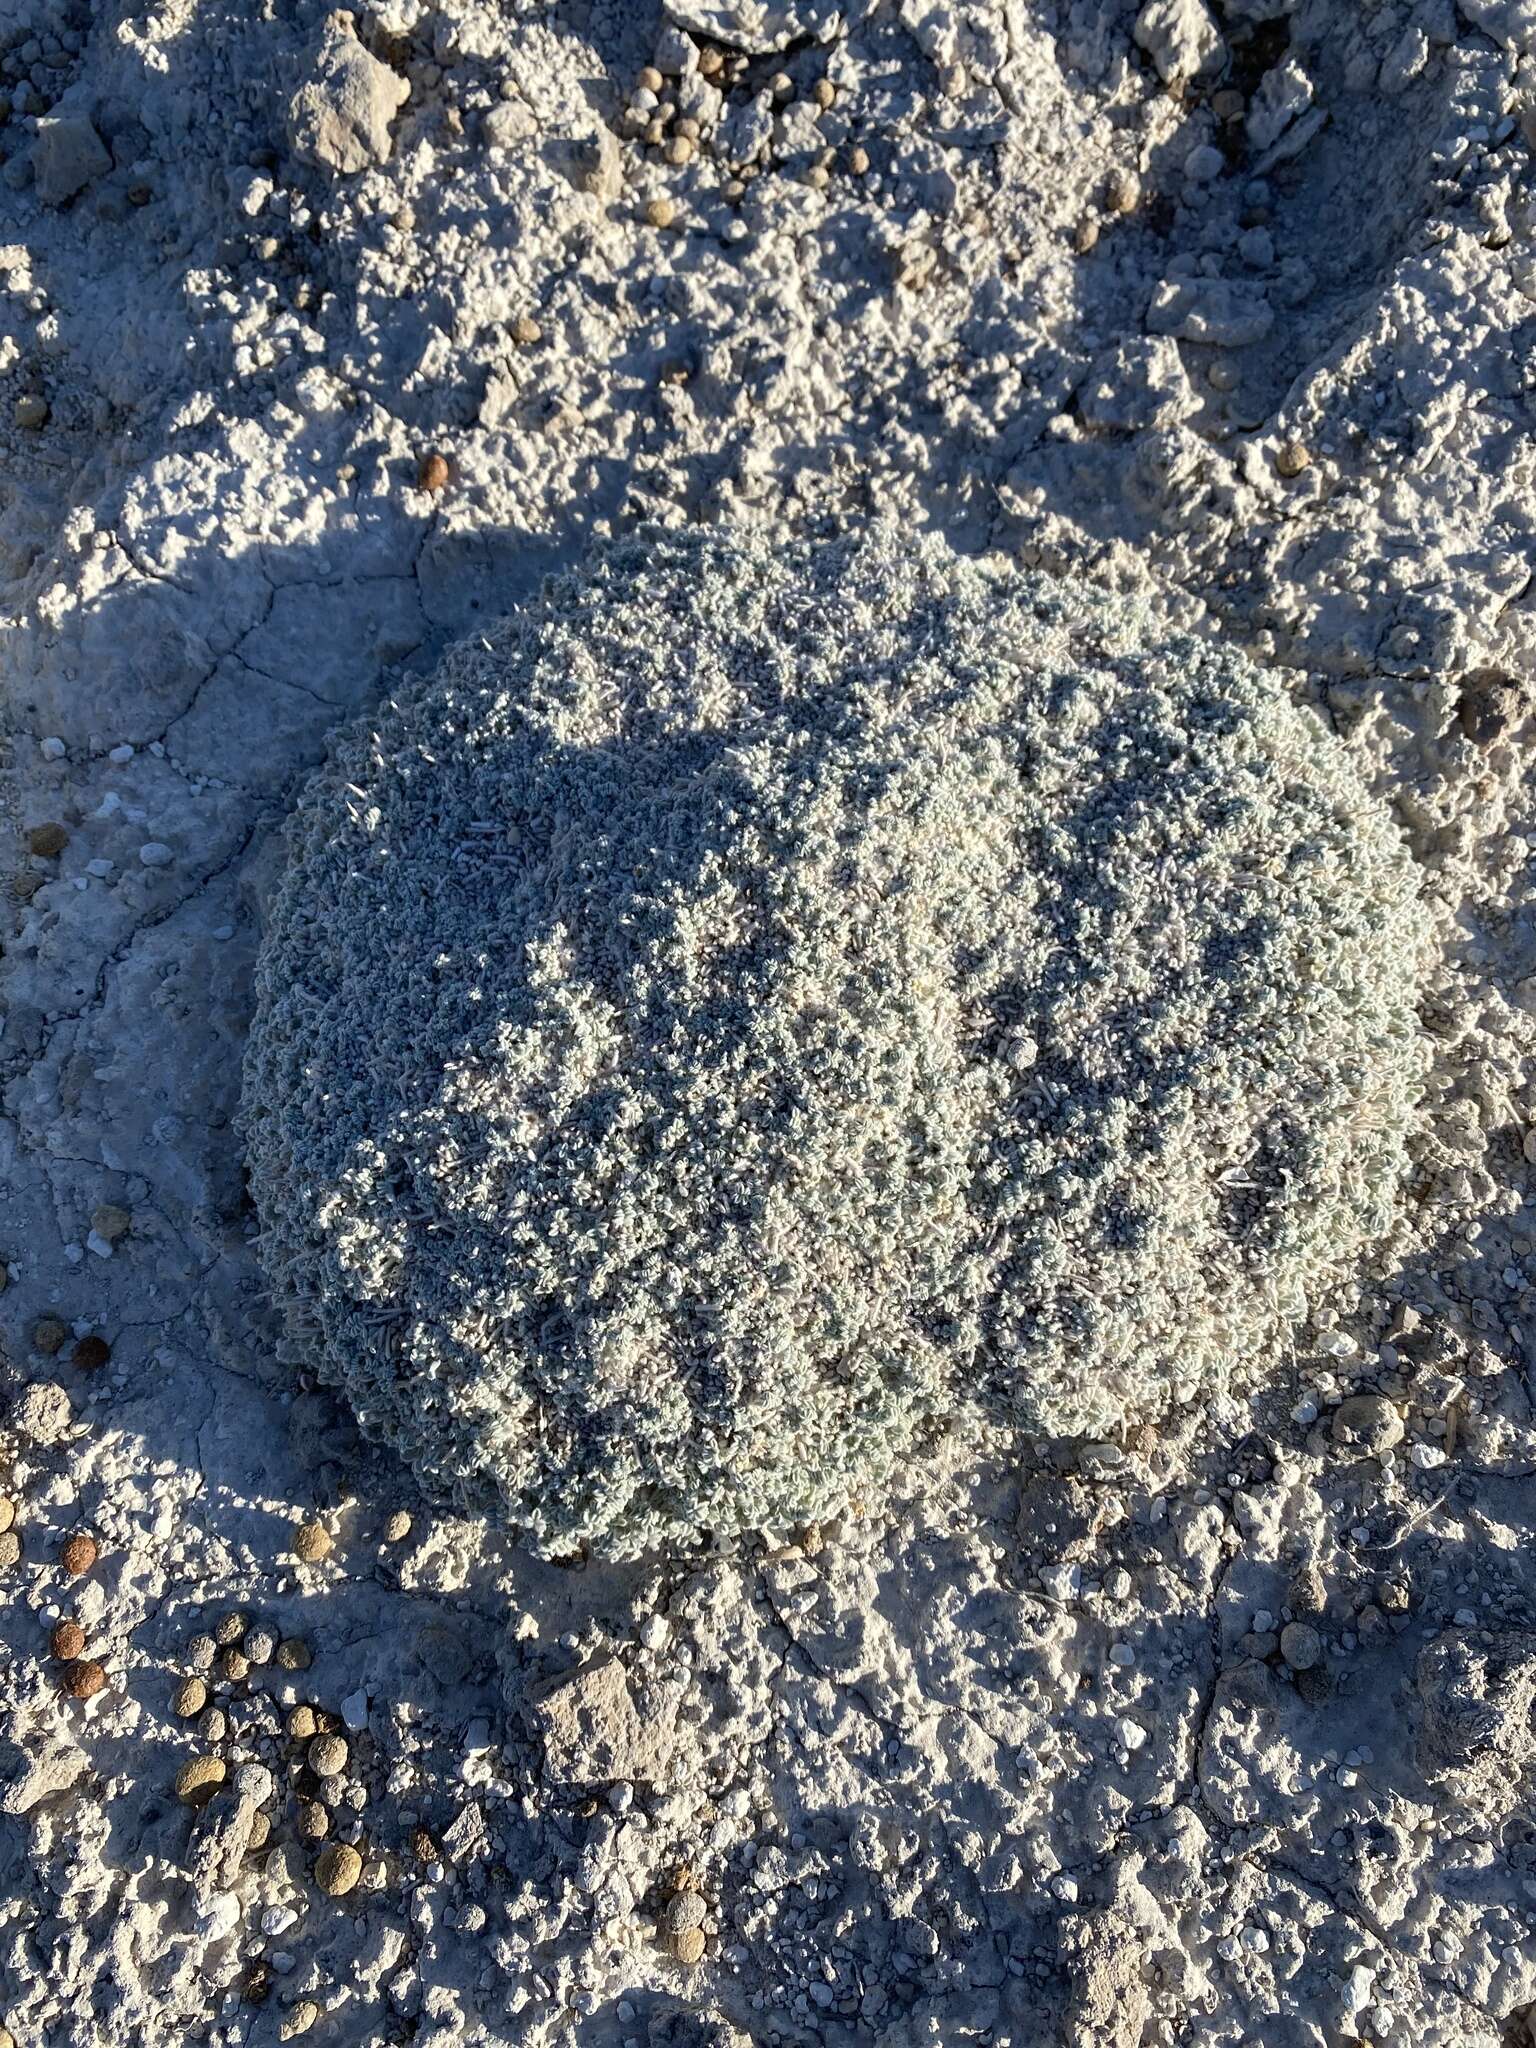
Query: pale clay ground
x=1222 y=1735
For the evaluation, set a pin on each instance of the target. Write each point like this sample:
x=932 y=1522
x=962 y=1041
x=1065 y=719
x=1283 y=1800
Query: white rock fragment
x=1179 y=36
x=1220 y=312
x=339 y=118
x=1139 y=383
x=1132 y=1735
x=1284 y=92
x=1061 y=1581
x=67 y=156
x=154 y=853
x=52 y=748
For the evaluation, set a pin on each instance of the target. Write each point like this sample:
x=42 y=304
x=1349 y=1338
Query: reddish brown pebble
x=47 y=840
x=84 y=1678
x=79 y=1553
x=67 y=1640
x=432 y=472
x=91 y=1353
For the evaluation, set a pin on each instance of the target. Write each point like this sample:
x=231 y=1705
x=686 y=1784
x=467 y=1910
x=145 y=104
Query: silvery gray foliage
x=769 y=998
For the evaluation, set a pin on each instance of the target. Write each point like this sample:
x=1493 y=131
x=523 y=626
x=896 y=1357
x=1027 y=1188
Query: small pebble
x=337 y=1869
x=660 y=213
x=67 y=1640
x=52 y=748
x=1085 y=235
x=110 y=1221
x=1122 y=191
x=47 y=841
x=84 y=1678
x=688 y=1946
x=235 y=1665
x=91 y=1353
x=526 y=331
x=1292 y=457
x=300 y=1724
x=200 y=1653
x=259 y=1646
x=312 y=1542
x=298 y=2020
x=312 y=1820
x=679 y=151
x=78 y=1553
x=43 y=1413
x=48 y=1335
x=1301 y=1646
x=199 y=1778
x=824 y=93
x=229 y=1628
x=261 y=1828
x=189 y=1698
x=327 y=1756
x=858 y=160
x=10 y=1549
x=398 y=1527
x=154 y=853
x=213 y=1725
x=650 y=80
x=432 y=471
x=31 y=410
x=293 y=1654
x=7 y=1513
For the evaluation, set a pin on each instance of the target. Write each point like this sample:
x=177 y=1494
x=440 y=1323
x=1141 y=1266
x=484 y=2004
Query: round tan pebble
x=818 y=177
x=293 y=1654
x=781 y=85
x=688 y=1946
x=261 y=1829
x=111 y=1222
x=7 y=1513
x=10 y=1548
x=689 y=128
x=298 y=2020
x=1085 y=235
x=78 y=1553
x=7 y=2038
x=327 y=1756
x=312 y=1541
x=1292 y=457
x=48 y=1335
x=212 y=1725
x=679 y=151
x=337 y=1869
x=526 y=331
x=432 y=471
x=91 y=1353
x=235 y=1665
x=655 y=132
x=398 y=1527
x=67 y=1640
x=199 y=1778
x=824 y=93
x=301 y=1722
x=660 y=213
x=230 y=1628
x=650 y=80
x=313 y=1821
x=1122 y=192
x=858 y=160
x=84 y=1678
x=189 y=1698
x=47 y=841
x=711 y=62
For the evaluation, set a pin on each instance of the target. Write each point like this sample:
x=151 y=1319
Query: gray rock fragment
x=1140 y=383
x=1179 y=36
x=28 y=1780
x=593 y=1729
x=339 y=118
x=759 y=27
x=1283 y=93
x=1217 y=311
x=67 y=156
x=1367 y=1423
x=1476 y=1688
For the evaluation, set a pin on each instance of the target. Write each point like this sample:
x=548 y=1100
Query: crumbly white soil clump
x=765 y=999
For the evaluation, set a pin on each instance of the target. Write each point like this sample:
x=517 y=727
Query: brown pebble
x=312 y=1542
x=337 y=1869
x=312 y=1820
x=110 y=1221
x=824 y=93
x=660 y=213
x=84 y=1678
x=1122 y=192
x=10 y=1549
x=48 y=1335
x=688 y=1946
x=1292 y=457
x=327 y=1756
x=26 y=885
x=818 y=177
x=213 y=1724
x=229 y=1628
x=298 y=2020
x=7 y=1513
x=199 y=1778
x=78 y=1553
x=189 y=1698
x=48 y=841
x=235 y=1665
x=650 y=80
x=293 y=1654
x=526 y=331
x=261 y=1828
x=398 y=1527
x=858 y=160
x=432 y=471
x=67 y=1640
x=711 y=62
x=301 y=1722
x=1086 y=235
x=91 y=1353
x=679 y=151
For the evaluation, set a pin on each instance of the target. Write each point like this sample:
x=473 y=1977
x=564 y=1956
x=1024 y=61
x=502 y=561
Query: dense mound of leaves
x=765 y=1000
